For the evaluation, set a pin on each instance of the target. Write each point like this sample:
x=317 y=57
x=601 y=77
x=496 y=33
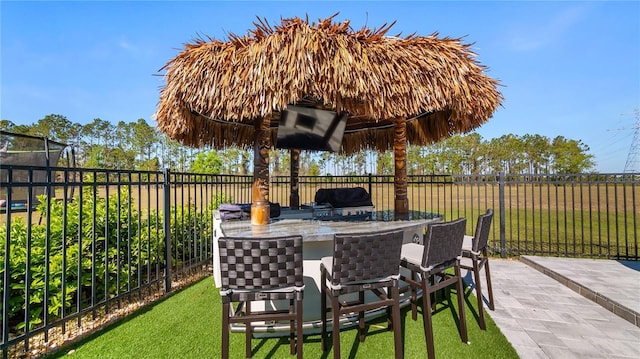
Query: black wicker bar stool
x=428 y=265
x=362 y=262
x=261 y=269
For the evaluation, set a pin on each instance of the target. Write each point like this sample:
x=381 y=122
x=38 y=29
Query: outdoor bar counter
x=317 y=243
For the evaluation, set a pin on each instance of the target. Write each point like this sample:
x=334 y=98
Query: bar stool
x=362 y=262
x=428 y=265
x=475 y=248
x=261 y=269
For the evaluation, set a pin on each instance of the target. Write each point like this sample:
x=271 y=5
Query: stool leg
x=300 y=334
x=323 y=311
x=462 y=316
x=292 y=329
x=335 y=326
x=361 y=324
x=397 y=328
x=225 y=330
x=476 y=276
x=414 y=297
x=247 y=341
x=488 y=275
x=427 y=320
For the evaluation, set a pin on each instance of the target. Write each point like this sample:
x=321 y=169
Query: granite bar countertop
x=316 y=230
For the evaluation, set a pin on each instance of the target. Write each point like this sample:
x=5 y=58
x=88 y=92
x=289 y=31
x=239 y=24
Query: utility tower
x=633 y=159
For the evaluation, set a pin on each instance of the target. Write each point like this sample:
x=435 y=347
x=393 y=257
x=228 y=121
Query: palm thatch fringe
x=215 y=90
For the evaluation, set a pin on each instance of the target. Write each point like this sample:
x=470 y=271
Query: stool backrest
x=481 y=239
x=443 y=243
x=261 y=263
x=364 y=257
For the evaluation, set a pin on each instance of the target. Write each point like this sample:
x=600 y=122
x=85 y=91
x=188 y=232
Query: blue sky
x=567 y=68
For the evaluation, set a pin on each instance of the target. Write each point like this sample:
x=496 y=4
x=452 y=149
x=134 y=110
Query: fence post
x=6 y=272
x=503 y=239
x=167 y=229
x=370 y=183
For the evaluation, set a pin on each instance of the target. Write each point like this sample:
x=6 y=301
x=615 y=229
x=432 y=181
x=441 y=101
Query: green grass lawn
x=187 y=325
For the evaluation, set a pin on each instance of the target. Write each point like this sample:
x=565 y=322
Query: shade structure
x=396 y=90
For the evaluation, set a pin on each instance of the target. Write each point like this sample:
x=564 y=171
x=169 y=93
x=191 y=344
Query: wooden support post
x=401 y=203
x=260 y=195
x=294 y=198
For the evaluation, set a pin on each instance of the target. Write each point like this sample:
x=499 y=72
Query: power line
x=632 y=165
x=633 y=159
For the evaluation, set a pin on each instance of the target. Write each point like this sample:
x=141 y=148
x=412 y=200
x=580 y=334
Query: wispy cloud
x=133 y=49
x=545 y=31
x=124 y=43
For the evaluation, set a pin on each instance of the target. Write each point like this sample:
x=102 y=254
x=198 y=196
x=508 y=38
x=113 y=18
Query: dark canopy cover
x=344 y=197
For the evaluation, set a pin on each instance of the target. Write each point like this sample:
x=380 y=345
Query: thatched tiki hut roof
x=415 y=89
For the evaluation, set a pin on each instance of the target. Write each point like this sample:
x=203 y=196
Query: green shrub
x=121 y=246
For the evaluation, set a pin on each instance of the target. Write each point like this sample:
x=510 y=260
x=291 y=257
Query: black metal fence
x=103 y=241
x=99 y=244
x=576 y=215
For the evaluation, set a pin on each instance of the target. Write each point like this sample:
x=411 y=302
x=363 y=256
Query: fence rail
x=99 y=241
x=577 y=215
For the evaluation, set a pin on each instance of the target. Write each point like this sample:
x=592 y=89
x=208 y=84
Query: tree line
x=140 y=146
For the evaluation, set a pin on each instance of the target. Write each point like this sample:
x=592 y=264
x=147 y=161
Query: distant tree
x=138 y=145
x=474 y=151
x=22 y=129
x=276 y=168
x=120 y=158
x=462 y=154
x=99 y=135
x=324 y=159
x=245 y=157
x=341 y=164
x=124 y=138
x=6 y=125
x=360 y=162
x=207 y=162
x=384 y=163
x=503 y=155
x=180 y=157
x=153 y=164
x=516 y=160
x=570 y=156
x=431 y=162
x=305 y=163
x=414 y=160
x=144 y=139
x=171 y=153
x=57 y=128
x=92 y=157
x=537 y=150
x=235 y=160
x=314 y=168
x=279 y=161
